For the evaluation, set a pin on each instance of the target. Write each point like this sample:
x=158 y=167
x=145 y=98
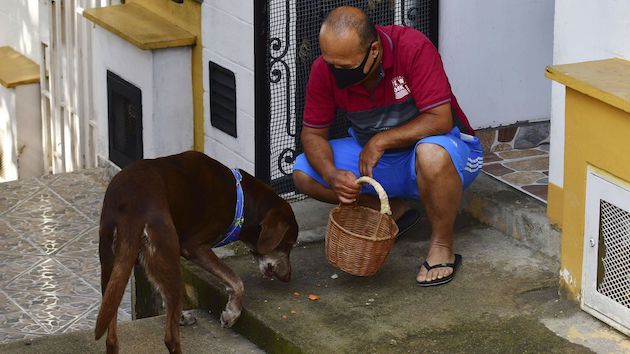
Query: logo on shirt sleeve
x=401 y=89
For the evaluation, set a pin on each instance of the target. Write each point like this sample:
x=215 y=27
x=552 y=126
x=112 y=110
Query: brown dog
x=156 y=210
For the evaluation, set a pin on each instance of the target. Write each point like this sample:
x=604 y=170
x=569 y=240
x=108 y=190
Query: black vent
x=124 y=102
x=222 y=99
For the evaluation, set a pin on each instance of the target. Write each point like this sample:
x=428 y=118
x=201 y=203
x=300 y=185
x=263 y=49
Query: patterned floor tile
x=14 y=243
x=88 y=268
x=524 y=169
x=538 y=190
x=51 y=277
x=491 y=157
x=6 y=306
x=533 y=164
x=52 y=311
x=515 y=154
x=17 y=191
x=497 y=169
x=20 y=322
x=12 y=264
x=85 y=246
x=46 y=205
x=84 y=191
x=48 y=235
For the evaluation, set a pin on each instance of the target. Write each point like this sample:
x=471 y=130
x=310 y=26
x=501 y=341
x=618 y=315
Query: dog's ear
x=273 y=228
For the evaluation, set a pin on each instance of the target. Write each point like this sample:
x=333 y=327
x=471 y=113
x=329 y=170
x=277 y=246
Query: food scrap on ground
x=313 y=297
x=296 y=294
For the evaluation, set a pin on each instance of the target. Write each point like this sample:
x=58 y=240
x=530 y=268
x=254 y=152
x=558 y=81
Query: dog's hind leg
x=161 y=263
x=107 y=235
x=233 y=283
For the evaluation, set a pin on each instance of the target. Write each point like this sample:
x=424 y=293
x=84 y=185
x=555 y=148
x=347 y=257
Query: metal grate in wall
x=124 y=116
x=286 y=43
x=613 y=273
x=222 y=99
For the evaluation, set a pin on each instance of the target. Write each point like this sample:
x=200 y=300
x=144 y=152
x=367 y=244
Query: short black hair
x=346 y=18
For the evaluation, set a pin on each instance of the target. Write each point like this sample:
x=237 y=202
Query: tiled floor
x=49 y=267
x=524 y=169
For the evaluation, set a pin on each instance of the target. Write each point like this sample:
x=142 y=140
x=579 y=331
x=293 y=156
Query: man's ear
x=273 y=228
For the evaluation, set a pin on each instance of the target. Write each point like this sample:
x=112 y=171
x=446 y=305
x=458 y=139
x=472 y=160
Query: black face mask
x=347 y=77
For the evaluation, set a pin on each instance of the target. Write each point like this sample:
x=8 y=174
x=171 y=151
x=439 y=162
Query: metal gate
x=286 y=40
x=606 y=270
x=69 y=132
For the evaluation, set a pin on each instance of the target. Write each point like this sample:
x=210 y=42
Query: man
x=408 y=132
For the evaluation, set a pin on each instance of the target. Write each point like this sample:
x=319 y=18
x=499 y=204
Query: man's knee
x=432 y=160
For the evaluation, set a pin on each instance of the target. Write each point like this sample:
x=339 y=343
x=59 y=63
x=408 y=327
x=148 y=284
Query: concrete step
x=503 y=300
x=514 y=213
x=142 y=336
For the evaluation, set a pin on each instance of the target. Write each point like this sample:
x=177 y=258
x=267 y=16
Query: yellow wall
x=554 y=205
x=596 y=134
x=188 y=17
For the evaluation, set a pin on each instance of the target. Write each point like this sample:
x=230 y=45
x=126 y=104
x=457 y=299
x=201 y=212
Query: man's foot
x=441 y=281
x=437 y=255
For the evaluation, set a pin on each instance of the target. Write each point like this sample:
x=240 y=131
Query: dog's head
x=278 y=234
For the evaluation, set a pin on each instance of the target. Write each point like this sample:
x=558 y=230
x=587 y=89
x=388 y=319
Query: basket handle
x=385 y=209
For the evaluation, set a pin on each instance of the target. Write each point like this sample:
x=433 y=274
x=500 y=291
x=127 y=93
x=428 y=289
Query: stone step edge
x=512 y=212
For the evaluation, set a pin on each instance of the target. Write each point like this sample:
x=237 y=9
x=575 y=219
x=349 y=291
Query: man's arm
x=435 y=121
x=320 y=156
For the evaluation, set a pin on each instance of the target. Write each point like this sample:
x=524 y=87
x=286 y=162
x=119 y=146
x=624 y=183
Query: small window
x=222 y=99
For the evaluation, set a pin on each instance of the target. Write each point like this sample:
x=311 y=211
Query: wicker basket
x=358 y=239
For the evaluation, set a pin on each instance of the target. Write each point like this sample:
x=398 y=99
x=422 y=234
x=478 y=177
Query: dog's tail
x=127 y=249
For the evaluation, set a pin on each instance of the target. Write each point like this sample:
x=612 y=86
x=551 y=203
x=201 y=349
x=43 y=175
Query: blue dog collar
x=235 y=229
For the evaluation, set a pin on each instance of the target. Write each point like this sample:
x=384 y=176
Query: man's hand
x=371 y=153
x=343 y=184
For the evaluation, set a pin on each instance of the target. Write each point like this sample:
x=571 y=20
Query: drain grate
x=613 y=273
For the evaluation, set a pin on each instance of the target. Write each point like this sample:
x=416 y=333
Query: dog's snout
x=275 y=265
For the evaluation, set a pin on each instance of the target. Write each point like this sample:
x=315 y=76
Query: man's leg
x=440 y=188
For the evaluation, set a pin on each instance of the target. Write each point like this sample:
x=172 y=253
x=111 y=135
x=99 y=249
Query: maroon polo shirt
x=412 y=80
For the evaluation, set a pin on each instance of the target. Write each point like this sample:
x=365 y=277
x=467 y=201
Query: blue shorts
x=396 y=171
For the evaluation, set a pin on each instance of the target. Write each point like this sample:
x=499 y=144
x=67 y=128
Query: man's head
x=350 y=45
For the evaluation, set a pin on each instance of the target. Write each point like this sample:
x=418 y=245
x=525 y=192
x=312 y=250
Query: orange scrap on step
x=313 y=297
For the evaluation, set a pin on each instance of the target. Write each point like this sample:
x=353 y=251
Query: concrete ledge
x=513 y=213
x=503 y=288
x=140 y=26
x=142 y=336
x=16 y=69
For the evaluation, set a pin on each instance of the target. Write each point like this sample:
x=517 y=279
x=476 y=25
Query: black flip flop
x=408 y=220
x=455 y=265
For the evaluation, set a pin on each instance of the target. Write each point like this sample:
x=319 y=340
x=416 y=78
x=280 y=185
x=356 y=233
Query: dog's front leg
x=233 y=283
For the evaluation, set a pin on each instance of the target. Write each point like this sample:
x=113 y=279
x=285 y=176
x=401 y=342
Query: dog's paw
x=229 y=317
x=187 y=319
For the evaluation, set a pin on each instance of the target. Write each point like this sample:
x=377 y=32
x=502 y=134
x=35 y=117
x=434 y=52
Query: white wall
x=596 y=29
x=163 y=76
x=495 y=53
x=8 y=134
x=228 y=40
x=19 y=26
x=29 y=131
